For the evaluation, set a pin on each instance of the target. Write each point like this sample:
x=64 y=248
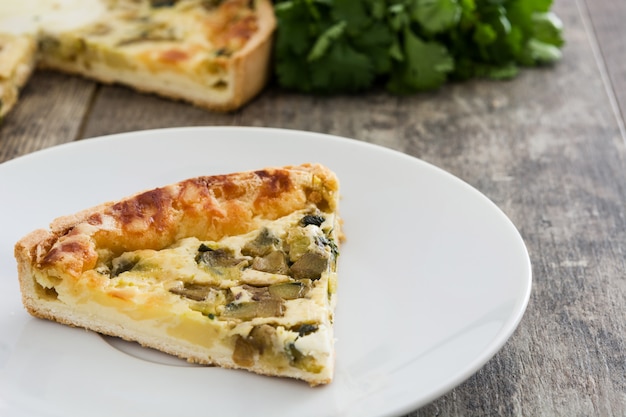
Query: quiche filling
x=183 y=42
x=267 y=296
x=17 y=60
x=158 y=38
x=213 y=53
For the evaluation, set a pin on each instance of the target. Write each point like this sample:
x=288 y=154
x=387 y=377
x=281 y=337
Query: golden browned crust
x=208 y=208
x=254 y=58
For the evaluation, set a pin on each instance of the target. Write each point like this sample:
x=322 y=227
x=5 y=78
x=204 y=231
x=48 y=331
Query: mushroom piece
x=257 y=293
x=221 y=257
x=264 y=243
x=123 y=264
x=193 y=291
x=313 y=219
x=270 y=307
x=311 y=265
x=244 y=352
x=262 y=337
x=288 y=290
x=274 y=262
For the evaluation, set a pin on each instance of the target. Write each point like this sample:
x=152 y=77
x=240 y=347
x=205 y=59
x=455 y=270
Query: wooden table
x=549 y=148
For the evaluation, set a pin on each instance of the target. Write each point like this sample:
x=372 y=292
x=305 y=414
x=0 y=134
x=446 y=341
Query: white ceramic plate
x=434 y=278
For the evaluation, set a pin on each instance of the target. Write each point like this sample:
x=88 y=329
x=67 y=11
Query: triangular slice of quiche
x=235 y=270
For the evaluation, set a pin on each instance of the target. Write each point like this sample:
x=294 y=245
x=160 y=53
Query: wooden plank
x=548 y=150
x=50 y=112
x=121 y=109
x=607 y=17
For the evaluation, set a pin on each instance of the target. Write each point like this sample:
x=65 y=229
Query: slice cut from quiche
x=213 y=53
x=236 y=270
x=17 y=61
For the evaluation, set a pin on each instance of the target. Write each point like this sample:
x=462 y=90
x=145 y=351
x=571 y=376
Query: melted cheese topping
x=183 y=31
x=32 y=16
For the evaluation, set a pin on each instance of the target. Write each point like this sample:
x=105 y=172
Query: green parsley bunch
x=331 y=46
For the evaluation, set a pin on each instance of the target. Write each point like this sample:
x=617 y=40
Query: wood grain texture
x=552 y=157
x=546 y=147
x=50 y=112
x=607 y=18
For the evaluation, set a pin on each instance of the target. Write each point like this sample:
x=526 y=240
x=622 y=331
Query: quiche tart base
x=62 y=279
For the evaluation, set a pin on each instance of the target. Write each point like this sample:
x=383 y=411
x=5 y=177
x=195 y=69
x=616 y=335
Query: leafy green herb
x=328 y=46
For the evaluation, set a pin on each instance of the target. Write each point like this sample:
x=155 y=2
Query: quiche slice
x=213 y=53
x=17 y=61
x=235 y=270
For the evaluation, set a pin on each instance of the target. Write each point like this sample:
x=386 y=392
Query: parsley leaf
x=334 y=46
x=342 y=68
x=425 y=66
x=436 y=15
